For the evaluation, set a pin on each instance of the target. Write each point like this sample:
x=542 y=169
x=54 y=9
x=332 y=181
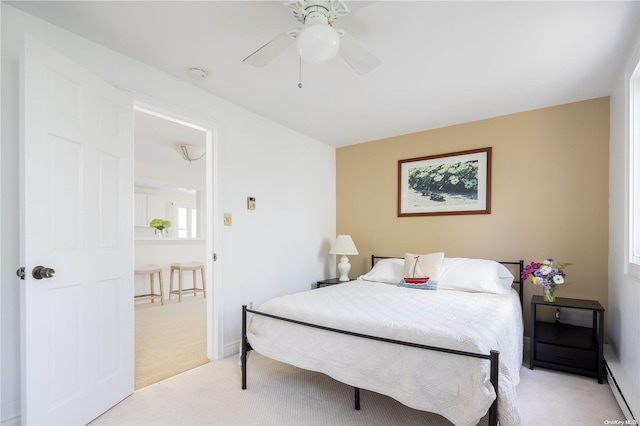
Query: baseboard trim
x=621 y=386
x=231 y=348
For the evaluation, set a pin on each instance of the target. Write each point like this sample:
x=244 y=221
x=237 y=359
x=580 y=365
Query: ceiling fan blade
x=359 y=58
x=269 y=51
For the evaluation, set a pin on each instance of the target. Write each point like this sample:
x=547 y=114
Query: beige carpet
x=279 y=395
x=170 y=339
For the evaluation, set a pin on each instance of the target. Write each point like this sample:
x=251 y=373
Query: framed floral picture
x=445 y=184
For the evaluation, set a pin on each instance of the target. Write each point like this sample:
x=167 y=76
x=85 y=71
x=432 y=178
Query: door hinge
x=215 y=256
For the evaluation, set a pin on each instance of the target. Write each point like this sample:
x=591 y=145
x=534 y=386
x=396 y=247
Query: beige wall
x=549 y=195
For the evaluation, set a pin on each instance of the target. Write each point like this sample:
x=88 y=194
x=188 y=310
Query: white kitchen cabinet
x=147 y=207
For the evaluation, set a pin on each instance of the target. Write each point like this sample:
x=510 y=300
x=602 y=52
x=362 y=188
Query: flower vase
x=549 y=295
x=159 y=234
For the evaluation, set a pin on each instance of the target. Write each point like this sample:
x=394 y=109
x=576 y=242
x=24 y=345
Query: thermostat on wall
x=251 y=203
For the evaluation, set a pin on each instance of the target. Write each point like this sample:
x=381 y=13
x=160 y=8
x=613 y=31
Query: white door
x=77 y=347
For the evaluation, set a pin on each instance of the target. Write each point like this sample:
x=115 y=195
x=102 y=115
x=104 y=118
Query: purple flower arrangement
x=545 y=273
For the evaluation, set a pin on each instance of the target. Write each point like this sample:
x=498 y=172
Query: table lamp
x=344 y=245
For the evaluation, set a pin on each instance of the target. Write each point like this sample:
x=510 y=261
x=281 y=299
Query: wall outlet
x=251 y=203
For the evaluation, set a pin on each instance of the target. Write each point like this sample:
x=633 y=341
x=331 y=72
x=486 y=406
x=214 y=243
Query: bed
x=456 y=351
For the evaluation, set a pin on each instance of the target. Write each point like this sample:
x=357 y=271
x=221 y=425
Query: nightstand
x=328 y=282
x=567 y=347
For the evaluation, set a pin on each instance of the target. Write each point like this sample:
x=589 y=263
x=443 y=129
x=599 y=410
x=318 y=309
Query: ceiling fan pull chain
x=300 y=72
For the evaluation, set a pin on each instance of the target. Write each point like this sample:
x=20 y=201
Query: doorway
x=170 y=176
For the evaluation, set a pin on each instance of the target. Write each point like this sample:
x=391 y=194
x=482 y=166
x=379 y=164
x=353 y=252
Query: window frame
x=633 y=171
x=190 y=210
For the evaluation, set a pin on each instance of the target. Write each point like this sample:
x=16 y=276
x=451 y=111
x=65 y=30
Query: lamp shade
x=344 y=245
x=318 y=43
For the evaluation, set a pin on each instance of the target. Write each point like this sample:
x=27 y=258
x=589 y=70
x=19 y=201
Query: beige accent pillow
x=428 y=265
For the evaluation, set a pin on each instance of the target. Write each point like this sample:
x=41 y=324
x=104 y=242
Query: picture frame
x=455 y=183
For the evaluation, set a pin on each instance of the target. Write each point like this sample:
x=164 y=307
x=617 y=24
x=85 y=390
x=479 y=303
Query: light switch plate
x=251 y=203
x=227 y=219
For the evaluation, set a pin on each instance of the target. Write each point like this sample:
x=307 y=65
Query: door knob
x=20 y=272
x=40 y=272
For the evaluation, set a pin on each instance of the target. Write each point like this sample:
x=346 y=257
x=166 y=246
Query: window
x=634 y=171
x=187 y=222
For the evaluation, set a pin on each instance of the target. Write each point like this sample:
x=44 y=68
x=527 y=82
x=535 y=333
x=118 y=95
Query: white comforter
x=453 y=386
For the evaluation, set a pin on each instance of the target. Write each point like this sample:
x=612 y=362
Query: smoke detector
x=197 y=73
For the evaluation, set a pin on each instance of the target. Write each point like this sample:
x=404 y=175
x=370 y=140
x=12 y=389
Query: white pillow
x=385 y=271
x=428 y=264
x=475 y=275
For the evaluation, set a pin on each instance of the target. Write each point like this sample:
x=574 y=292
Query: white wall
x=1 y=247
x=281 y=247
x=624 y=289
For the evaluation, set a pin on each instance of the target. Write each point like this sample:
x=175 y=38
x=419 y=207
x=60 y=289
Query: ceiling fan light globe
x=318 y=43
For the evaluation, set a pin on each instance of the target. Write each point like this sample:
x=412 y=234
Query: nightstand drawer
x=572 y=357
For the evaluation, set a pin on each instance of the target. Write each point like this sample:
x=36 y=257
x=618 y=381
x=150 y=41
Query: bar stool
x=186 y=266
x=151 y=270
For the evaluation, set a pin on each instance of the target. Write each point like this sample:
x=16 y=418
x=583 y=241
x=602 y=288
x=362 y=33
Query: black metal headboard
x=516 y=279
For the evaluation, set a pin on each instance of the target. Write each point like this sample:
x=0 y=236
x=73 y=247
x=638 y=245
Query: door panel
x=77 y=345
x=65 y=319
x=109 y=171
x=66 y=160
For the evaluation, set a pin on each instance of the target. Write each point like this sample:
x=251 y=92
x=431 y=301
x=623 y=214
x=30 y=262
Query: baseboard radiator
x=622 y=388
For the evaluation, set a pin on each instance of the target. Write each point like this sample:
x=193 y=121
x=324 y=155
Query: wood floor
x=169 y=339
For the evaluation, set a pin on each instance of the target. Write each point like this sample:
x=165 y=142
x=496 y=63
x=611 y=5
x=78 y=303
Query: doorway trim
x=211 y=192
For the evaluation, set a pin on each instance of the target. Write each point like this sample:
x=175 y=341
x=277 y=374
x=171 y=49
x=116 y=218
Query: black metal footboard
x=493 y=356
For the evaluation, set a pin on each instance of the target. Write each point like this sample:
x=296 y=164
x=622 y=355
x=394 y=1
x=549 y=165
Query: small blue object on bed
x=425 y=285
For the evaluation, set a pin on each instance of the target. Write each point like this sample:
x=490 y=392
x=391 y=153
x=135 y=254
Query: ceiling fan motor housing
x=316 y=17
x=307 y=12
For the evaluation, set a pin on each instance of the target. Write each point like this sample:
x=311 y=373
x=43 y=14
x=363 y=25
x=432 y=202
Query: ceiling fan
x=318 y=41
